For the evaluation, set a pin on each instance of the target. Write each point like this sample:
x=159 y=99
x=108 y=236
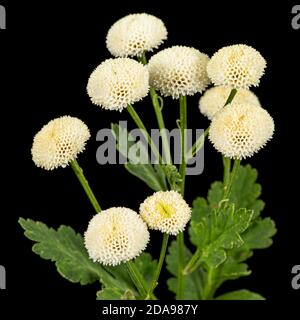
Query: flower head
x=116 y=235
x=178 y=71
x=59 y=142
x=115 y=83
x=237 y=66
x=134 y=34
x=240 y=130
x=215 y=98
x=166 y=211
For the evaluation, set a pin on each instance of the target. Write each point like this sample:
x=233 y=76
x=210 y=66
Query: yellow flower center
x=165 y=209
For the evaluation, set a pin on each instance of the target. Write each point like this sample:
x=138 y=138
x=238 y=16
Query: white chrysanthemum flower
x=166 y=211
x=115 y=83
x=237 y=66
x=178 y=71
x=116 y=235
x=215 y=98
x=59 y=142
x=134 y=34
x=240 y=130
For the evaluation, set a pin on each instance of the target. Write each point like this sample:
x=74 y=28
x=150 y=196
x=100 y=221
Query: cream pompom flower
x=134 y=34
x=178 y=71
x=59 y=142
x=240 y=130
x=215 y=98
x=166 y=211
x=116 y=235
x=236 y=66
x=115 y=83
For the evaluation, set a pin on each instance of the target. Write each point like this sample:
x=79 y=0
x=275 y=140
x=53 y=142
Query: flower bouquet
x=204 y=243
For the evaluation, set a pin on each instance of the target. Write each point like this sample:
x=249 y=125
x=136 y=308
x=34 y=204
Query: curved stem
x=161 y=260
x=200 y=141
x=198 y=144
x=161 y=125
x=160 y=120
x=79 y=173
x=138 y=121
x=194 y=263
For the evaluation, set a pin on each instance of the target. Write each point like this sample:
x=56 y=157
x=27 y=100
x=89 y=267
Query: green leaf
x=215 y=194
x=111 y=293
x=245 y=191
x=147 y=266
x=200 y=209
x=152 y=176
x=259 y=235
x=231 y=269
x=218 y=232
x=240 y=295
x=66 y=249
x=192 y=281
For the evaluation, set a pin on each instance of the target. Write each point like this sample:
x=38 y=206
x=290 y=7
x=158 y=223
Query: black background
x=47 y=53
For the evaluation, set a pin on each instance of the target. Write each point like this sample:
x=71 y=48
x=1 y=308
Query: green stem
x=226 y=175
x=228 y=178
x=161 y=125
x=79 y=173
x=200 y=141
x=228 y=186
x=145 y=133
x=137 y=278
x=198 y=144
x=180 y=276
x=230 y=97
x=183 y=126
x=142 y=59
x=161 y=260
x=182 y=171
x=209 y=290
x=194 y=263
x=160 y=120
